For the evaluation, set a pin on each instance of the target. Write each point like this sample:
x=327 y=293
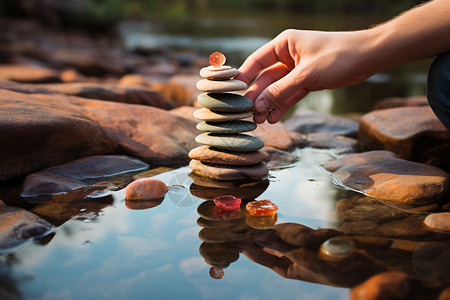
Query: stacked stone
x=228 y=153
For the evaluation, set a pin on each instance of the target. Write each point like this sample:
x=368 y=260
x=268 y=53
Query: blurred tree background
x=101 y=14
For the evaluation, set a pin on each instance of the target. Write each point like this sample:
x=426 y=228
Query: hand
x=297 y=62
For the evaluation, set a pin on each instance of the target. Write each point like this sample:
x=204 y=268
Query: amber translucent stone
x=261 y=208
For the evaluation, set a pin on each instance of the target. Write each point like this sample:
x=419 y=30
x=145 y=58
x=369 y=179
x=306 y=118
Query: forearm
x=417 y=34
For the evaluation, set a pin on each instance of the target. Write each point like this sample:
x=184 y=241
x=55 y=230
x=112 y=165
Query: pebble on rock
x=146 y=189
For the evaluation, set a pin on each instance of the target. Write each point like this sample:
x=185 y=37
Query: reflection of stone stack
x=228 y=154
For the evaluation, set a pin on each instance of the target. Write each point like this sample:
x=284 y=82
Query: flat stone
x=221 y=254
x=237 y=142
x=413 y=133
x=274 y=135
x=392 y=102
x=28 y=73
x=381 y=175
x=438 y=222
x=235 y=126
x=205 y=114
x=216 y=156
x=307 y=121
x=225 y=102
x=221 y=86
x=303 y=236
x=221 y=68
x=226 y=172
x=206 y=211
x=234 y=225
x=79 y=174
x=247 y=191
x=218 y=235
x=337 y=247
x=218 y=74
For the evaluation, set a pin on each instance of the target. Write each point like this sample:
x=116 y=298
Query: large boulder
x=413 y=133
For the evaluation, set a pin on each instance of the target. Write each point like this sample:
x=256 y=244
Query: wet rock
x=219 y=254
x=337 y=248
x=407 y=228
x=58 y=212
x=279 y=158
x=400 y=102
x=18 y=226
x=307 y=121
x=146 y=189
x=366 y=209
x=439 y=222
x=359 y=227
x=116 y=93
x=156 y=136
x=85 y=173
x=417 y=135
x=274 y=135
x=218 y=235
x=303 y=236
x=45 y=133
x=381 y=175
x=326 y=140
x=432 y=262
x=388 y=285
x=206 y=210
x=28 y=74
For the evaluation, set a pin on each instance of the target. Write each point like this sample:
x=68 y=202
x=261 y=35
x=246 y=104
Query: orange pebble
x=261 y=208
x=217 y=59
x=146 y=189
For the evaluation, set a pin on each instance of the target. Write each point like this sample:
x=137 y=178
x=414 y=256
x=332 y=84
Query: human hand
x=297 y=62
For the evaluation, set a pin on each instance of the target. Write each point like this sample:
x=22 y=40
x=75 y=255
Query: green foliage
x=97 y=14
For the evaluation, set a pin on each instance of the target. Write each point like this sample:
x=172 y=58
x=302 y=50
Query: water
x=237 y=35
x=120 y=253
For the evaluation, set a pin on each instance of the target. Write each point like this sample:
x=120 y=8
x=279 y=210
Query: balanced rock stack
x=228 y=153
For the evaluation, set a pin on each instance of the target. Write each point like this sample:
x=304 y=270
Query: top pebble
x=217 y=59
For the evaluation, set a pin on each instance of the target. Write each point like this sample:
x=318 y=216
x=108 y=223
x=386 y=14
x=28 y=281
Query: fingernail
x=259 y=119
x=262 y=105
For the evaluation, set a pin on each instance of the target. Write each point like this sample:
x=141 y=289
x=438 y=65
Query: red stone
x=227 y=202
x=261 y=208
x=217 y=59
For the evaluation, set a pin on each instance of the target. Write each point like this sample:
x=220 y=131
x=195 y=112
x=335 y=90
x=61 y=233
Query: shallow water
x=120 y=253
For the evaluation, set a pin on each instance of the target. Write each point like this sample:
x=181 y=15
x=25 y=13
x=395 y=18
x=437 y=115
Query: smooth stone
x=218 y=74
x=381 y=175
x=17 y=226
x=226 y=172
x=218 y=235
x=438 y=222
x=206 y=211
x=225 y=102
x=337 y=247
x=205 y=114
x=303 y=236
x=219 y=254
x=235 y=126
x=233 y=225
x=221 y=86
x=221 y=68
x=211 y=155
x=246 y=191
x=432 y=262
x=84 y=173
x=146 y=189
x=238 y=142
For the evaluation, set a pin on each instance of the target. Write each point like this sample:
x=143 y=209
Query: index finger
x=266 y=56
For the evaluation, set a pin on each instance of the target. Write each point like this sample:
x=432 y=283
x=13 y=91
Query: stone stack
x=227 y=153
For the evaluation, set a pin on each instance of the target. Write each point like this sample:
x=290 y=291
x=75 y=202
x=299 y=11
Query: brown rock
x=326 y=140
x=28 y=73
x=116 y=93
x=407 y=228
x=388 y=285
x=88 y=173
x=206 y=154
x=205 y=114
x=303 y=236
x=400 y=102
x=247 y=191
x=181 y=89
x=17 y=226
x=432 y=262
x=439 y=222
x=185 y=112
x=307 y=121
x=233 y=225
x=274 y=135
x=227 y=172
x=279 y=159
x=413 y=133
x=39 y=133
x=218 y=235
x=146 y=189
x=380 y=175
